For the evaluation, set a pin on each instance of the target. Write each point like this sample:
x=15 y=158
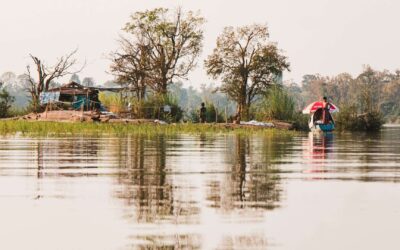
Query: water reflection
x=182 y=192
x=250 y=182
x=317 y=152
x=155 y=188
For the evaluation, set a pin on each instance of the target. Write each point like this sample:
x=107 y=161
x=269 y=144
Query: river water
x=338 y=191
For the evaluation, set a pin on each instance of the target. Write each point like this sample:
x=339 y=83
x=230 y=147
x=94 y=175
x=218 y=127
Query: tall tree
x=131 y=66
x=46 y=74
x=247 y=63
x=369 y=84
x=172 y=41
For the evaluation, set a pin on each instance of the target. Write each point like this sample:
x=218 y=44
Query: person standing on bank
x=203 y=111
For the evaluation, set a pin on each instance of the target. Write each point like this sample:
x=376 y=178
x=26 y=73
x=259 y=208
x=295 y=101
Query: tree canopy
x=162 y=46
x=247 y=64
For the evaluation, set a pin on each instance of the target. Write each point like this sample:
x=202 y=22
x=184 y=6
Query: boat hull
x=323 y=127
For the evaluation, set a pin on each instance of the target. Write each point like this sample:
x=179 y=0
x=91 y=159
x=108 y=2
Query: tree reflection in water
x=175 y=181
x=150 y=194
x=209 y=192
x=153 y=194
x=143 y=177
x=253 y=180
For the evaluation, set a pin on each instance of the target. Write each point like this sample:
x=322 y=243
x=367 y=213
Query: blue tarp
x=80 y=100
x=48 y=97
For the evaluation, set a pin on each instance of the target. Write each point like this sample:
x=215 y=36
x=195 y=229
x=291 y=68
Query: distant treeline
x=370 y=91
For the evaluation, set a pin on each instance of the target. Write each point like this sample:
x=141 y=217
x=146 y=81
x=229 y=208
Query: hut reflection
x=77 y=153
x=62 y=157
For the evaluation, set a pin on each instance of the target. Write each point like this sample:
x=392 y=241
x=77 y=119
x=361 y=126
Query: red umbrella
x=318 y=105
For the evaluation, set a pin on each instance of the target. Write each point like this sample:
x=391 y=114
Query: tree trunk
x=242 y=104
x=241 y=110
x=164 y=87
x=35 y=102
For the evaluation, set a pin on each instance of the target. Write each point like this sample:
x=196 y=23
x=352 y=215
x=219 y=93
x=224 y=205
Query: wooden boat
x=315 y=111
x=320 y=127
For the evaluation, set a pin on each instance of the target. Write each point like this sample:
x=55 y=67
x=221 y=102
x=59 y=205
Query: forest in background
x=371 y=89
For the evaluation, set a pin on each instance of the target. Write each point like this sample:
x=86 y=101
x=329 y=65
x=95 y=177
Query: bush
x=15 y=111
x=277 y=104
x=300 y=121
x=212 y=114
x=153 y=108
x=5 y=103
x=349 y=119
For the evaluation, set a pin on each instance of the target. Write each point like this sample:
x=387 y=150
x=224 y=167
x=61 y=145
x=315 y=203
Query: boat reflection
x=317 y=152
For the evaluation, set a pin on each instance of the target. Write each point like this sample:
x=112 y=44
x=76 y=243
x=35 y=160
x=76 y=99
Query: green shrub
x=349 y=119
x=300 y=121
x=151 y=108
x=212 y=114
x=5 y=103
x=15 y=111
x=277 y=104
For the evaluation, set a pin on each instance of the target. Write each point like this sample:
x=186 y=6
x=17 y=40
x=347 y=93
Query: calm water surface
x=201 y=192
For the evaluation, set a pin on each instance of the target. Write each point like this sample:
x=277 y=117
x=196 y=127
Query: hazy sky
x=318 y=36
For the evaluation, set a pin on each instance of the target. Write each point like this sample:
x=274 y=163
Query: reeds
x=43 y=128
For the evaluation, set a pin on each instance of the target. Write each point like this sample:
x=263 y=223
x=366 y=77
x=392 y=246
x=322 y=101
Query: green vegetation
x=247 y=64
x=159 y=45
x=212 y=114
x=365 y=101
x=5 y=103
x=112 y=101
x=59 y=128
x=276 y=104
x=153 y=107
x=349 y=120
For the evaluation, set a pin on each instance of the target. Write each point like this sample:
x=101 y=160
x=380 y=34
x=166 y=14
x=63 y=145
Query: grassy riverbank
x=44 y=128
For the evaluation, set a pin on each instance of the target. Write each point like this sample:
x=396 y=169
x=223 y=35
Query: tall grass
x=277 y=104
x=42 y=128
x=112 y=101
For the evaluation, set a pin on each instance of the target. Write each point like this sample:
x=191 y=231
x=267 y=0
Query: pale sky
x=318 y=36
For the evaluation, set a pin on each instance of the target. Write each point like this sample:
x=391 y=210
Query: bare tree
x=131 y=66
x=46 y=74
